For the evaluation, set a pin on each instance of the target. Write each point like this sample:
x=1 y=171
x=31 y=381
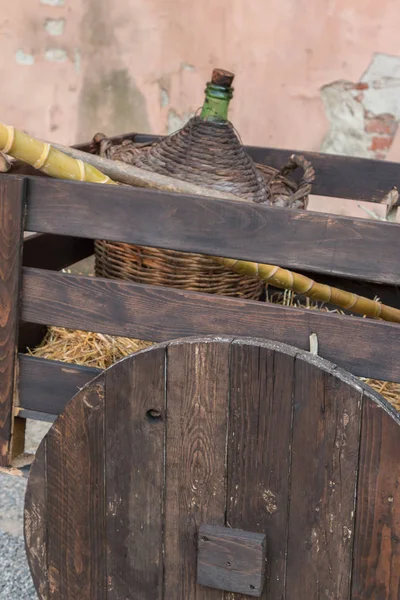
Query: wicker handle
x=299 y=161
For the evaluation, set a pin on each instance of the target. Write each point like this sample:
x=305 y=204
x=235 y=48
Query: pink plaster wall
x=122 y=65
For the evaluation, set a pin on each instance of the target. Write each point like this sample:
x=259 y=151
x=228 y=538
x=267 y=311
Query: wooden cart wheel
x=288 y=467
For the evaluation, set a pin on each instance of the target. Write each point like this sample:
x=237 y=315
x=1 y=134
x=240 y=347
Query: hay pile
x=101 y=351
x=86 y=348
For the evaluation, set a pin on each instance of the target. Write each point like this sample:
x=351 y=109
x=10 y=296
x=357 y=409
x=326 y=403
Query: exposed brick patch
x=381 y=143
x=382 y=124
x=364 y=115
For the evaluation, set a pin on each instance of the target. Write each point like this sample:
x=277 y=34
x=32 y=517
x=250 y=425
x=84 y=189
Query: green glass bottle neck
x=216 y=103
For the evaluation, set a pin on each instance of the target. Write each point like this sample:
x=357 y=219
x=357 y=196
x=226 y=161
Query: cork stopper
x=222 y=78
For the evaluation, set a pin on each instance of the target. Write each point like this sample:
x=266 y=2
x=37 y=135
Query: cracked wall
x=364 y=116
x=73 y=67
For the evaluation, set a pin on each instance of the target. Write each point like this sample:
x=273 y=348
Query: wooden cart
x=359 y=255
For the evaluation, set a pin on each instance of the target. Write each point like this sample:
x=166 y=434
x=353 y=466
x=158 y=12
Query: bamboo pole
x=131 y=175
x=289 y=280
x=55 y=163
x=44 y=157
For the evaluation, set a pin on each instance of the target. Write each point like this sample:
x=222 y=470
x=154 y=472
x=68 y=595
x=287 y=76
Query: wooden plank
x=161 y=314
x=12 y=192
x=135 y=424
x=46 y=386
x=76 y=494
x=313 y=241
x=259 y=451
x=55 y=252
x=231 y=559
x=376 y=570
x=197 y=397
x=326 y=435
x=35 y=522
x=341 y=176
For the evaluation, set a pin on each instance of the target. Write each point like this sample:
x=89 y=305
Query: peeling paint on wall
x=187 y=67
x=53 y=2
x=364 y=116
x=55 y=55
x=22 y=58
x=54 y=26
x=164 y=97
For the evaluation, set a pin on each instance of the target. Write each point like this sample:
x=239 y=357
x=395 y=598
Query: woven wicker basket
x=209 y=154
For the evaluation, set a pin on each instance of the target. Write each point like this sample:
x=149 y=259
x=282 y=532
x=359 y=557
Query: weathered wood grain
x=324 y=462
x=75 y=518
x=47 y=385
x=260 y=419
x=161 y=314
x=239 y=433
x=376 y=572
x=195 y=479
x=231 y=559
x=12 y=193
x=135 y=432
x=312 y=241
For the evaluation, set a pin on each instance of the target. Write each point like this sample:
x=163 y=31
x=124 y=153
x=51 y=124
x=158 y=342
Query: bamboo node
x=81 y=166
x=272 y=273
x=10 y=138
x=352 y=302
x=43 y=157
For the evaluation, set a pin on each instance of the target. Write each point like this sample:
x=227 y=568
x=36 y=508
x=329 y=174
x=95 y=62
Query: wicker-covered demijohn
x=206 y=152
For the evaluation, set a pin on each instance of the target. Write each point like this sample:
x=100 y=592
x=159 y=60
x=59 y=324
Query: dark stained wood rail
x=367 y=348
x=12 y=208
x=45 y=386
x=243 y=434
x=296 y=239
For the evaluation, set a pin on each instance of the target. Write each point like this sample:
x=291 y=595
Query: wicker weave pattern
x=209 y=154
x=205 y=153
x=171 y=268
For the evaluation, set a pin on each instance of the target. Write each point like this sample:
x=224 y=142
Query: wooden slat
x=324 y=449
x=76 y=494
x=365 y=347
x=47 y=385
x=12 y=192
x=259 y=451
x=337 y=176
x=376 y=572
x=48 y=251
x=295 y=239
x=197 y=396
x=135 y=424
